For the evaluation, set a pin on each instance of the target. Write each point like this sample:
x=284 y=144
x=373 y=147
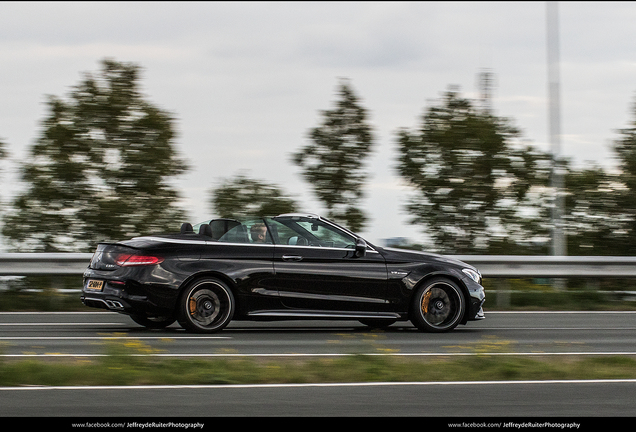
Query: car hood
x=404 y=255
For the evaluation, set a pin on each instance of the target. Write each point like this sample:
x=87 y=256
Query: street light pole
x=558 y=236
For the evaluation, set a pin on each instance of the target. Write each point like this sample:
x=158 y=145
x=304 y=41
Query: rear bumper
x=128 y=297
x=124 y=304
x=103 y=303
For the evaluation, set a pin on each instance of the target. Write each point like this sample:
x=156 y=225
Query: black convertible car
x=290 y=266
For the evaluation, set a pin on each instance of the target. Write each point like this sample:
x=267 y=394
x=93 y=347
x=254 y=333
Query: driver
x=258 y=233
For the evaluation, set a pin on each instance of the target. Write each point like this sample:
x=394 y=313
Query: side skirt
x=317 y=314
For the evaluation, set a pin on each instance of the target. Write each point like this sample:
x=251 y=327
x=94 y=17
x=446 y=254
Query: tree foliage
x=334 y=161
x=3 y=154
x=595 y=217
x=624 y=239
x=3 y=151
x=475 y=189
x=600 y=205
x=100 y=169
x=243 y=196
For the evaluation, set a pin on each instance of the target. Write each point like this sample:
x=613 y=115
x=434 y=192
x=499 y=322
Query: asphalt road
x=472 y=400
x=40 y=335
x=555 y=333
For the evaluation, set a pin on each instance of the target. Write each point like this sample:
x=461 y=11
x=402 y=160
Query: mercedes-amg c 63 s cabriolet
x=292 y=266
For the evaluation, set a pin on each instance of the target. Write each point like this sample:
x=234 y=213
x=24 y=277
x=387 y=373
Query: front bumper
x=476 y=299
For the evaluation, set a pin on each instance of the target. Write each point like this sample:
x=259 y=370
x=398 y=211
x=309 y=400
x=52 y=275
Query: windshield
x=306 y=231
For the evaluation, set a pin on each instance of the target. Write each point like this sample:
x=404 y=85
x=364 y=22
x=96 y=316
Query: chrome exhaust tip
x=112 y=304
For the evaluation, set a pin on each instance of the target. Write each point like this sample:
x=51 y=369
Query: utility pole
x=558 y=236
x=485 y=83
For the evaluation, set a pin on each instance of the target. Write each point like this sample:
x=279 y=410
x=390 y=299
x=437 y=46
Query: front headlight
x=473 y=274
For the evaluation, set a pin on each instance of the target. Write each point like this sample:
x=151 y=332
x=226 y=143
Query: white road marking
x=355 y=384
x=47 y=324
x=165 y=337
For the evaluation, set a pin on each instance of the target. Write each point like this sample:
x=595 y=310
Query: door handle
x=292 y=258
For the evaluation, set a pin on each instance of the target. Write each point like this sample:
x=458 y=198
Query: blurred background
x=425 y=125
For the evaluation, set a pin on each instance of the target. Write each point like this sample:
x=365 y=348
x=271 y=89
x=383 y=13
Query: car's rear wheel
x=206 y=306
x=438 y=306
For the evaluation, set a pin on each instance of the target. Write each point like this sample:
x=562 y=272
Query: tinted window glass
x=249 y=231
x=302 y=231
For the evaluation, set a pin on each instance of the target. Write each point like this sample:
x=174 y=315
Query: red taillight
x=114 y=282
x=125 y=260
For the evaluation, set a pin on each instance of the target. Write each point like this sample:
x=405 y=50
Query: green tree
x=475 y=186
x=100 y=169
x=3 y=153
x=242 y=196
x=334 y=161
x=596 y=218
x=625 y=151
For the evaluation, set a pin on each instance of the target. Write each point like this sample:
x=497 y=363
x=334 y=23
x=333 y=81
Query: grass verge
x=124 y=366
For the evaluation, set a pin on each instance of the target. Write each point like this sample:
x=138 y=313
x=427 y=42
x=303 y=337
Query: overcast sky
x=246 y=81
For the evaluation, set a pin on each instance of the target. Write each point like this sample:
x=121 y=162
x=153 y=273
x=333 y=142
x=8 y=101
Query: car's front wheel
x=206 y=306
x=438 y=306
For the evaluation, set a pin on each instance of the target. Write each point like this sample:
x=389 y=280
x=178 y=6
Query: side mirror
x=361 y=248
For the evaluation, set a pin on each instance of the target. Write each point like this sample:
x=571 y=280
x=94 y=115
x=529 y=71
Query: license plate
x=95 y=285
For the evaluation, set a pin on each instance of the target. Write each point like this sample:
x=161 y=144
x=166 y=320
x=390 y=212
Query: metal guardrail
x=43 y=264
x=490 y=266
x=515 y=266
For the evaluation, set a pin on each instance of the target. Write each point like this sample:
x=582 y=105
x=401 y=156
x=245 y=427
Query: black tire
x=206 y=306
x=153 y=322
x=438 y=306
x=377 y=323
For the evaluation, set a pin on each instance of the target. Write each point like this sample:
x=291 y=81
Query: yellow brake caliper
x=193 y=306
x=425 y=300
